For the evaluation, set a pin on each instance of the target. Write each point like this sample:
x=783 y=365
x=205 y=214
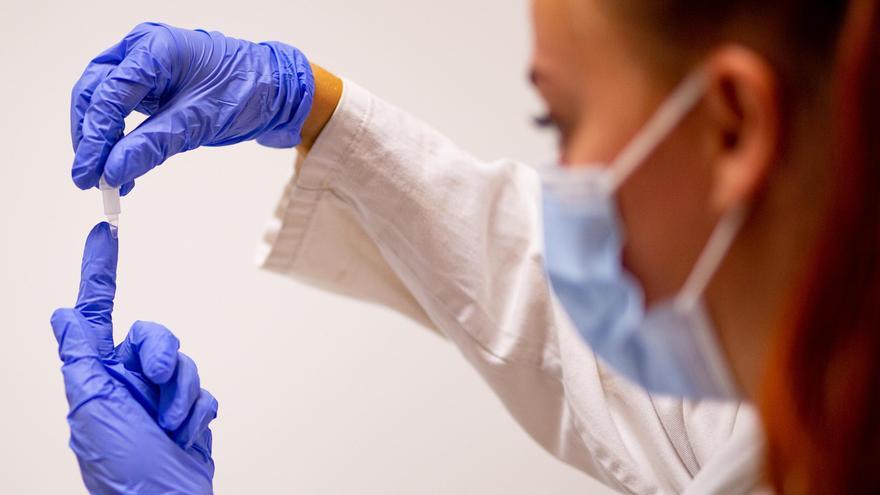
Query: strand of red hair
x=820 y=398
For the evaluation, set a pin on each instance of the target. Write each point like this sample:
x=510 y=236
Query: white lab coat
x=385 y=209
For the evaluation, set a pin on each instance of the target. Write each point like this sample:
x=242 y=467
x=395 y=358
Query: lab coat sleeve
x=387 y=210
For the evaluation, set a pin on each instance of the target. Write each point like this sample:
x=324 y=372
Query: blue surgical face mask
x=670 y=348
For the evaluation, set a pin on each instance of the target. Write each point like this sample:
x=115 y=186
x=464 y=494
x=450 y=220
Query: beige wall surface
x=317 y=394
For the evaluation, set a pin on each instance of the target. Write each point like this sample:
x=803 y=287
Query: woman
x=738 y=149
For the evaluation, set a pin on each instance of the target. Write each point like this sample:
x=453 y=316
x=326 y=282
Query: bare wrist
x=328 y=93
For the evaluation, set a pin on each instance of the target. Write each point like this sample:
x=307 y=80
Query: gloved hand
x=138 y=417
x=199 y=88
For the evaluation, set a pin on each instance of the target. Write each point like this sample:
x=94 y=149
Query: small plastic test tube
x=112 y=207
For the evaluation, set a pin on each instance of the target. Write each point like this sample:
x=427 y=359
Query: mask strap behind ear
x=716 y=249
x=659 y=126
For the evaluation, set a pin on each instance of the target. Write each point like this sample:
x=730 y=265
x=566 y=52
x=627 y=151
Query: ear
x=744 y=113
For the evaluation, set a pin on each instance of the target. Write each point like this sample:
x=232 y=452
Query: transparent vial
x=112 y=206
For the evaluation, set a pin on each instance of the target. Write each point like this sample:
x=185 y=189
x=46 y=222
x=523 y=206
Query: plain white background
x=317 y=394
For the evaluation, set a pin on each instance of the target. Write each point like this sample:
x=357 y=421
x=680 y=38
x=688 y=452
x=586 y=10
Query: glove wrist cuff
x=295 y=83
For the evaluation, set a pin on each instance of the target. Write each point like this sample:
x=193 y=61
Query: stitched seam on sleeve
x=299 y=211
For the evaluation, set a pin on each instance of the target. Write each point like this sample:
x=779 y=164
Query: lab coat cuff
x=315 y=175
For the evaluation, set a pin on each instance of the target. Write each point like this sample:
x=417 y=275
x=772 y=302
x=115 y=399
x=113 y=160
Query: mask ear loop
x=689 y=299
x=664 y=121
x=710 y=260
x=667 y=117
x=570 y=183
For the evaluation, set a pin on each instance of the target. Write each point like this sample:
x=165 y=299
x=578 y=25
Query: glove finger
x=104 y=120
x=200 y=450
x=84 y=375
x=178 y=395
x=94 y=75
x=200 y=416
x=81 y=96
x=97 y=70
x=97 y=286
x=150 y=349
x=154 y=141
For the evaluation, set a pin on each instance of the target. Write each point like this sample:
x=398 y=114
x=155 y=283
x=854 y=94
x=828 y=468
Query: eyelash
x=544 y=121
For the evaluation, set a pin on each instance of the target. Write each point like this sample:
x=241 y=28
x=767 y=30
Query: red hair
x=820 y=397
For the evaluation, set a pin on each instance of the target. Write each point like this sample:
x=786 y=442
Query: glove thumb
x=85 y=377
x=160 y=137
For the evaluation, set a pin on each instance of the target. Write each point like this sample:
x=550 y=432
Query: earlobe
x=744 y=114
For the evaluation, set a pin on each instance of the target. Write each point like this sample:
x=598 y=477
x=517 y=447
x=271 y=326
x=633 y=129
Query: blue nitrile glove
x=199 y=88
x=138 y=416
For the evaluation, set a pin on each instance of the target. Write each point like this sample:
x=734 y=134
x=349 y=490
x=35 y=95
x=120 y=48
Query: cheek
x=607 y=112
x=665 y=209
x=599 y=137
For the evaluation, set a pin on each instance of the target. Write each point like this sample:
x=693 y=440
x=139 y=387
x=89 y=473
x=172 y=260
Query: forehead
x=555 y=30
x=573 y=35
